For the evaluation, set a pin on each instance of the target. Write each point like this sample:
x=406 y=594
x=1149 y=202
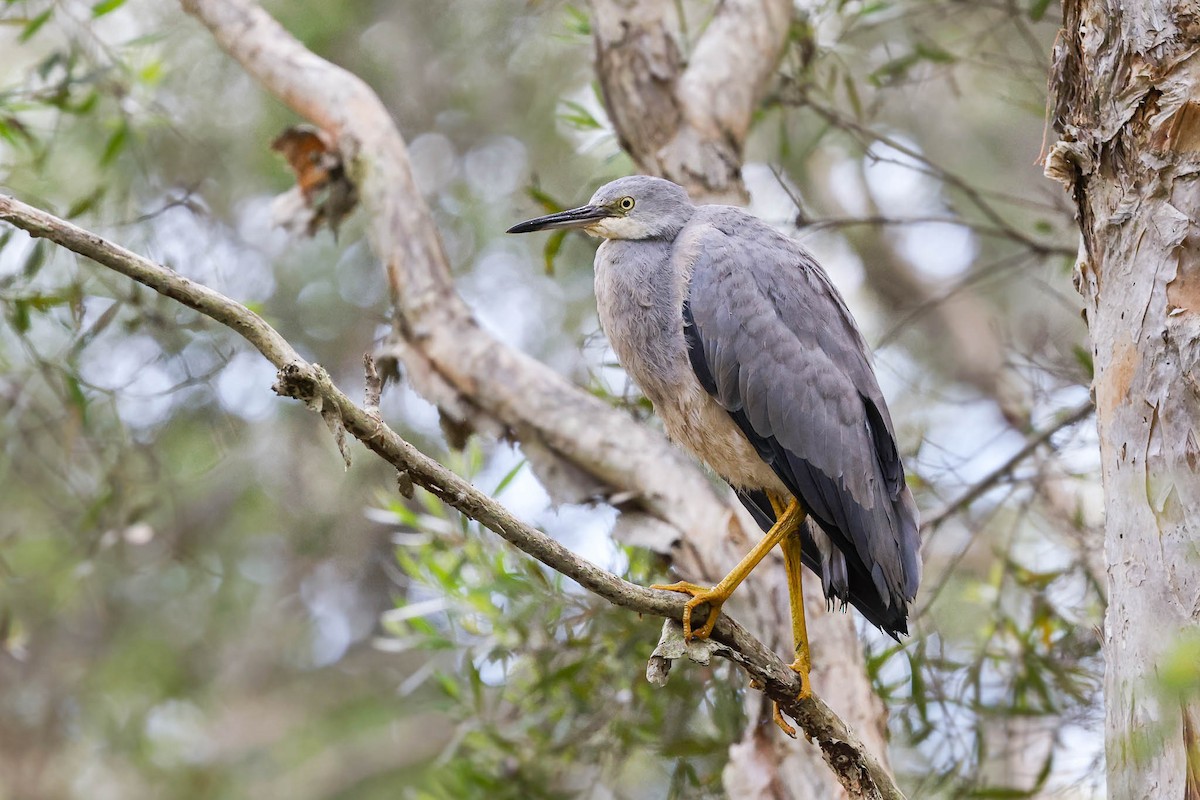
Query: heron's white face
x=618 y=228
x=638 y=208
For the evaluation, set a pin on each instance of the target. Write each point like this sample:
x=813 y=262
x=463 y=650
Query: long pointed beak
x=573 y=218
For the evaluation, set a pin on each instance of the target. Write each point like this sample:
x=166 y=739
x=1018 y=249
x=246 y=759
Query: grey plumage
x=755 y=365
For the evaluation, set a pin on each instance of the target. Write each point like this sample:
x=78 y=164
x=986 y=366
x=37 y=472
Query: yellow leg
x=785 y=523
x=802 y=664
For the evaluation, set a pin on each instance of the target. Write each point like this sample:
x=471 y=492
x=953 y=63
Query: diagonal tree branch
x=1078 y=414
x=857 y=769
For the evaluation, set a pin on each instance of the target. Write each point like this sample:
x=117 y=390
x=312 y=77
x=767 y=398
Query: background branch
x=934 y=520
x=678 y=114
x=857 y=769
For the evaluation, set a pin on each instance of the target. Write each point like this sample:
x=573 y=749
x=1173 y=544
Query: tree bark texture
x=1126 y=79
x=685 y=117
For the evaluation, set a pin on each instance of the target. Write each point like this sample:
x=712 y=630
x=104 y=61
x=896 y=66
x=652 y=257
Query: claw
x=802 y=669
x=777 y=716
x=701 y=595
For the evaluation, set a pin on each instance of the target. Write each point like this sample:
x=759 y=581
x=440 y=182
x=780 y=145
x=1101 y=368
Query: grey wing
x=773 y=342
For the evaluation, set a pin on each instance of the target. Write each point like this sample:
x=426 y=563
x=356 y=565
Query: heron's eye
x=626 y=203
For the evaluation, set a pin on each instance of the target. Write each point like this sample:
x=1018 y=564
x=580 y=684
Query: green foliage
x=544 y=681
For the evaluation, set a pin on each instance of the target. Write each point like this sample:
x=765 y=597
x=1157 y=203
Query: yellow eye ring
x=625 y=203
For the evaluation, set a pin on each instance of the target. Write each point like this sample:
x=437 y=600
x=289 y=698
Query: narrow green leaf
x=87 y=104
x=35 y=24
x=1037 y=9
x=85 y=203
x=578 y=22
x=852 y=96
x=55 y=59
x=930 y=52
x=20 y=315
x=893 y=70
x=508 y=478
x=115 y=143
x=45 y=302
x=920 y=701
x=543 y=199
x=579 y=117
x=6 y=131
x=105 y=6
x=448 y=686
x=1084 y=357
x=554 y=244
x=14 y=130
x=35 y=260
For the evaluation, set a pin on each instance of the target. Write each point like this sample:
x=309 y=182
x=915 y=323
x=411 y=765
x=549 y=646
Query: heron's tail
x=845 y=581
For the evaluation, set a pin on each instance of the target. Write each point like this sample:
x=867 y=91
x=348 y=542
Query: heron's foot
x=801 y=668
x=701 y=595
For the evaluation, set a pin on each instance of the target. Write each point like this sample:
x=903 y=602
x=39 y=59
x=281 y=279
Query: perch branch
x=856 y=768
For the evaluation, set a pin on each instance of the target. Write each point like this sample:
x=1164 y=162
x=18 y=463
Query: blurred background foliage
x=196 y=600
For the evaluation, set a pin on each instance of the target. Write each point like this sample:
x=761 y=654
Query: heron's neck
x=639 y=298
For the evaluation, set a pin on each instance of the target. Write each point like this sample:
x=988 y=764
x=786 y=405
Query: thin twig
x=856 y=768
x=995 y=476
x=974 y=195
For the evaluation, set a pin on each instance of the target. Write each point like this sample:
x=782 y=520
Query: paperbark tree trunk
x=686 y=117
x=1126 y=79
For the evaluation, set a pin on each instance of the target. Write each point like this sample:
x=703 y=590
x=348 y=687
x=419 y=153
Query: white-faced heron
x=755 y=365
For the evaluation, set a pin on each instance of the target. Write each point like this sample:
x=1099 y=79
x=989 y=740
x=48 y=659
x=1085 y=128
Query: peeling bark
x=1126 y=77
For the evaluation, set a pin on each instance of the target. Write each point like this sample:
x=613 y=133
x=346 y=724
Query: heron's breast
x=641 y=311
x=694 y=420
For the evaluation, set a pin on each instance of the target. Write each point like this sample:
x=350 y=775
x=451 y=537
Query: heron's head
x=637 y=207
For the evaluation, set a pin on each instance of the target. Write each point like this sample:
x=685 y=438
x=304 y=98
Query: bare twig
x=856 y=768
x=935 y=519
x=973 y=194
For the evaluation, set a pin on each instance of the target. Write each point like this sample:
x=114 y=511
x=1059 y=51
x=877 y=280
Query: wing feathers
x=772 y=341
